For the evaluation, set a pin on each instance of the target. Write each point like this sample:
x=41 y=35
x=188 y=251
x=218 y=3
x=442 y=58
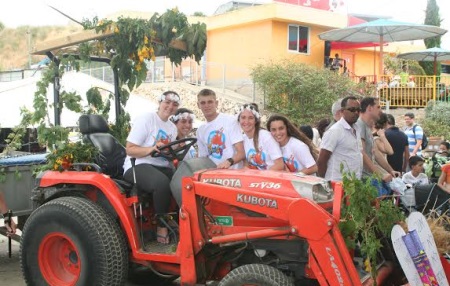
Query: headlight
x=317 y=190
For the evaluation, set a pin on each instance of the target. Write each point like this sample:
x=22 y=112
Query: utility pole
x=29 y=47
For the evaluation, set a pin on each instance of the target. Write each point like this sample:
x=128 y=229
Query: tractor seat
x=95 y=130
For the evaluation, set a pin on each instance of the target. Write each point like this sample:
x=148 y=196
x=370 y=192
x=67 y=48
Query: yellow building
x=273 y=31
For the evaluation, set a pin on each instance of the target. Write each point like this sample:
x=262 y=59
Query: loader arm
x=330 y=260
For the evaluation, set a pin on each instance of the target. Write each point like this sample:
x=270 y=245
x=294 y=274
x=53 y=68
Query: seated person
x=444 y=148
x=416 y=176
x=150 y=131
x=395 y=82
x=411 y=82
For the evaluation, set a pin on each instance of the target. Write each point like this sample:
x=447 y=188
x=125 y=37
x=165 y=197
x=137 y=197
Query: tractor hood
x=278 y=183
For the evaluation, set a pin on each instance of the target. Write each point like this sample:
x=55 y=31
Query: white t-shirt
x=421 y=179
x=216 y=138
x=268 y=151
x=148 y=129
x=345 y=147
x=296 y=155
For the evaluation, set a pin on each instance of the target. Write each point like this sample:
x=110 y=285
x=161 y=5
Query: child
x=416 y=175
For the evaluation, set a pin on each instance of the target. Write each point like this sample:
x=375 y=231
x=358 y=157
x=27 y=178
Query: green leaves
x=366 y=217
x=302 y=92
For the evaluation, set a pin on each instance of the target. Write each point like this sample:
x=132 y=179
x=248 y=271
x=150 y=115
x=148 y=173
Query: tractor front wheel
x=256 y=275
x=72 y=241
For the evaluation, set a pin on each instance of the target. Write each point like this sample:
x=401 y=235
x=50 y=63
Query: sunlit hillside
x=15 y=43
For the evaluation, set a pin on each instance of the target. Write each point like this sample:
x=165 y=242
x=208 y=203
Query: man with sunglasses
x=341 y=144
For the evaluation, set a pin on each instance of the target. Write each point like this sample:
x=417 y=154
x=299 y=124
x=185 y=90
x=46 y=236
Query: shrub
x=302 y=92
x=437 y=119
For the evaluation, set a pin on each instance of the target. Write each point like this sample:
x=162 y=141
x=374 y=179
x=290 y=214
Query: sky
x=38 y=13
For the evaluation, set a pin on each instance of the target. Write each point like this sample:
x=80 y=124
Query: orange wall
x=246 y=45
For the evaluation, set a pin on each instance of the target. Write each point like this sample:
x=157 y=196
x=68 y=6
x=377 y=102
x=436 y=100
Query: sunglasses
x=353 y=109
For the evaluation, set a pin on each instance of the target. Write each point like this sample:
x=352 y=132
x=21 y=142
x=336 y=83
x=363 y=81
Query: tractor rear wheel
x=256 y=275
x=72 y=241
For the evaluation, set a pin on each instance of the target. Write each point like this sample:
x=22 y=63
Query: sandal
x=162 y=235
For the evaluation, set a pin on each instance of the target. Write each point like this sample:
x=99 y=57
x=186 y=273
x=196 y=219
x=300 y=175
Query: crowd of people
x=360 y=139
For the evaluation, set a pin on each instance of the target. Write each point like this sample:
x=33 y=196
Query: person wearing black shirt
x=399 y=143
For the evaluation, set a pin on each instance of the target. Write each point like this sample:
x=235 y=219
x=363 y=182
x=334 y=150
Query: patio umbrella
x=429 y=55
x=382 y=31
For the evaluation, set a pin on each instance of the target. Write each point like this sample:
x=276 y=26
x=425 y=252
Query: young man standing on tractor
x=220 y=138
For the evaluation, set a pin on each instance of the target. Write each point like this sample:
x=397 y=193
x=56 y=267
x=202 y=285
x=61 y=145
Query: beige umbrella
x=429 y=55
x=382 y=31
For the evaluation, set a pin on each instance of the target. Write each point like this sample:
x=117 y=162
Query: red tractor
x=239 y=227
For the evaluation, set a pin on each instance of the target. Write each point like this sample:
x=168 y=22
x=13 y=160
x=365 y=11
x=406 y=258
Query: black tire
x=86 y=245
x=256 y=274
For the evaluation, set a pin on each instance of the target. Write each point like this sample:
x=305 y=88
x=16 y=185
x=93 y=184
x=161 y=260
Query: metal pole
x=117 y=95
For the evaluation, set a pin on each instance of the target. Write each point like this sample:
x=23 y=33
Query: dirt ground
x=10 y=273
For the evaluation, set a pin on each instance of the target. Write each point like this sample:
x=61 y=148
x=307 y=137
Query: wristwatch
x=231 y=161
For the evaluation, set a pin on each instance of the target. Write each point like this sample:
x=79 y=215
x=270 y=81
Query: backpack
x=424 y=138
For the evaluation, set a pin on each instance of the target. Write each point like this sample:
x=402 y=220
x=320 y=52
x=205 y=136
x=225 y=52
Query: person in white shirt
x=342 y=144
x=299 y=154
x=416 y=175
x=184 y=119
x=220 y=138
x=267 y=155
x=150 y=131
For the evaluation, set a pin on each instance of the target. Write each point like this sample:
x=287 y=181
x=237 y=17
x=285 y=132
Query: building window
x=298 y=39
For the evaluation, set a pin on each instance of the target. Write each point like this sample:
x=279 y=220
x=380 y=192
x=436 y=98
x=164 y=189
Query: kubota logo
x=224 y=182
x=257 y=201
x=334 y=266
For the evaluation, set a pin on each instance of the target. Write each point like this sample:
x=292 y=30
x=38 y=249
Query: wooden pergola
x=68 y=46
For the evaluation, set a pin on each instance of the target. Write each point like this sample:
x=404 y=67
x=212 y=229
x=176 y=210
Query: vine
x=366 y=217
x=129 y=44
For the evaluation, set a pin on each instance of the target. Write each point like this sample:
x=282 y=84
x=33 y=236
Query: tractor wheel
x=256 y=275
x=72 y=241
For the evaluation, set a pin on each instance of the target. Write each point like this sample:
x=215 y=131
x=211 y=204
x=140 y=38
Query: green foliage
x=432 y=18
x=66 y=154
x=437 y=119
x=302 y=92
x=393 y=65
x=366 y=217
x=14 y=139
x=130 y=43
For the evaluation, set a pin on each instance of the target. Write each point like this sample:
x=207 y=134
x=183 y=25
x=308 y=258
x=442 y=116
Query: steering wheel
x=171 y=154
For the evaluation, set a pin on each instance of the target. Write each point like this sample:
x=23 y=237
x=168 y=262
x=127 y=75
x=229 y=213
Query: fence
x=236 y=83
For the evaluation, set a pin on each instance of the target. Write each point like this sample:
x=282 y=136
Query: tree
x=432 y=18
x=199 y=14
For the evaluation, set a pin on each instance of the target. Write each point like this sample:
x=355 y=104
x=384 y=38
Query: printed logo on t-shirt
x=291 y=164
x=162 y=137
x=192 y=153
x=256 y=160
x=216 y=143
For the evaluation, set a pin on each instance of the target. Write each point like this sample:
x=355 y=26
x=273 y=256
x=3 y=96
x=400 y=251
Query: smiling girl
x=261 y=150
x=299 y=154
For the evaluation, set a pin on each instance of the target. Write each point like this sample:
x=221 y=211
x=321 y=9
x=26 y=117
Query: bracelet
x=231 y=161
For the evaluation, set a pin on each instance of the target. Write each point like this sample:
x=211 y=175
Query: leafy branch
x=366 y=217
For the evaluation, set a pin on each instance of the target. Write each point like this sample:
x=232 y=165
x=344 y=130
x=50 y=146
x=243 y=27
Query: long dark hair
x=253 y=106
x=293 y=131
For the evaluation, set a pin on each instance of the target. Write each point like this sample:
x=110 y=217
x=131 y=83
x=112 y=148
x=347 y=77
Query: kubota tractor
x=239 y=227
